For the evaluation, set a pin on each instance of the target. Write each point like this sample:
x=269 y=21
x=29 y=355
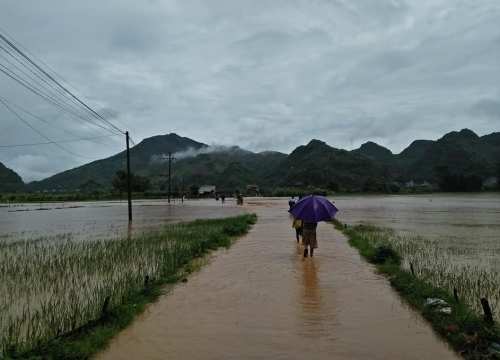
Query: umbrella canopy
x=314 y=208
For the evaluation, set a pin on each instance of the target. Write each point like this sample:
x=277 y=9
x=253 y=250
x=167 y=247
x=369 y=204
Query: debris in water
x=435 y=302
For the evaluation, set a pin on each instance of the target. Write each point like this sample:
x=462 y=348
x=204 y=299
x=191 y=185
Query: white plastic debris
x=445 y=310
x=435 y=302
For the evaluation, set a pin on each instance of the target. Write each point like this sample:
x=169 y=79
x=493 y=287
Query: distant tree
x=373 y=185
x=90 y=186
x=137 y=183
x=333 y=186
x=193 y=190
x=457 y=182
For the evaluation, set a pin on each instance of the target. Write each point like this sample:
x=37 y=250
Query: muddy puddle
x=261 y=299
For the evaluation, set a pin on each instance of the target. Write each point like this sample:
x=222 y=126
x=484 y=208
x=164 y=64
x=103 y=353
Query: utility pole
x=170 y=158
x=129 y=189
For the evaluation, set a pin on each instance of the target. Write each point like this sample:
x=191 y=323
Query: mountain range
x=371 y=167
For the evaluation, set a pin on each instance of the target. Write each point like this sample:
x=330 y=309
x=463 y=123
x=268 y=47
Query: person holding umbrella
x=311 y=210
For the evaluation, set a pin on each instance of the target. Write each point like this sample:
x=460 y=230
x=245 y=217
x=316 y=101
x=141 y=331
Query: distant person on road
x=297 y=224
x=291 y=202
x=309 y=237
x=223 y=199
x=239 y=199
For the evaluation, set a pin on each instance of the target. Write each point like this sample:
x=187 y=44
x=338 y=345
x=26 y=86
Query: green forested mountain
x=142 y=156
x=9 y=180
x=458 y=158
x=320 y=165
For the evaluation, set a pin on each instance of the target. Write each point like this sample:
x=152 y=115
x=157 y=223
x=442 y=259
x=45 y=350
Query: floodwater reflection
x=310 y=299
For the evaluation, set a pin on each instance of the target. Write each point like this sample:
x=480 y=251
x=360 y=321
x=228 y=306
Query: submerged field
x=452 y=240
x=444 y=266
x=53 y=286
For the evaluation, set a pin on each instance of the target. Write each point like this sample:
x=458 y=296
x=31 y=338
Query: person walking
x=291 y=203
x=297 y=225
x=309 y=239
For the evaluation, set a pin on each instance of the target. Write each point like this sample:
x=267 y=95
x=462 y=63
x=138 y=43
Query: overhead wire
x=30 y=69
x=27 y=123
x=54 y=142
x=38 y=86
x=49 y=88
x=55 y=81
x=48 y=98
x=41 y=119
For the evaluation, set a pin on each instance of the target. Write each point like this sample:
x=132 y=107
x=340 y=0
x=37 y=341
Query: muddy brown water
x=103 y=219
x=261 y=299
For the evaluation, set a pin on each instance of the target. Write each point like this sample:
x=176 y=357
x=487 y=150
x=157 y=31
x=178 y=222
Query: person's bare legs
x=312 y=251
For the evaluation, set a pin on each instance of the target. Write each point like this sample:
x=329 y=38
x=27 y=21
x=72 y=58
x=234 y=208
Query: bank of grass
x=467 y=332
x=57 y=330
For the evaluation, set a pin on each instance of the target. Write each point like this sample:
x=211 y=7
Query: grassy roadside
x=84 y=341
x=469 y=334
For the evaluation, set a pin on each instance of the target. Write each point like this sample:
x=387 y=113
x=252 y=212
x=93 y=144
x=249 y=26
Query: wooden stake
x=488 y=316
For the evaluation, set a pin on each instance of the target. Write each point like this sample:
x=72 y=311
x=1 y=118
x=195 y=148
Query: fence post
x=411 y=269
x=105 y=306
x=488 y=316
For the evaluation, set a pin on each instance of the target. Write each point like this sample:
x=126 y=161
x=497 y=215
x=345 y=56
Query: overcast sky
x=265 y=75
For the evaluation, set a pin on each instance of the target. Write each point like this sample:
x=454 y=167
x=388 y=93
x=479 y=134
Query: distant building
x=206 y=190
x=423 y=186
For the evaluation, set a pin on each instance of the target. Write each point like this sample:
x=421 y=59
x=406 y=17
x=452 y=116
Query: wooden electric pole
x=170 y=158
x=129 y=185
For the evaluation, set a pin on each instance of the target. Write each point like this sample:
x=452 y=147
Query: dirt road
x=261 y=299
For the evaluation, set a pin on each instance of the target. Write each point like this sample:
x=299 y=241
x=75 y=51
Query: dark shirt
x=310 y=225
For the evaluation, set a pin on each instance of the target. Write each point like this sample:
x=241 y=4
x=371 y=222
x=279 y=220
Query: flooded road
x=261 y=299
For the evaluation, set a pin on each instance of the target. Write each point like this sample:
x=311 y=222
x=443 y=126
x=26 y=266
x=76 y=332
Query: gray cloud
x=263 y=75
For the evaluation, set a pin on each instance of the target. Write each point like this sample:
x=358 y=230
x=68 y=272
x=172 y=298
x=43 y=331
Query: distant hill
x=9 y=180
x=461 y=152
x=142 y=156
x=374 y=151
x=459 y=155
x=319 y=165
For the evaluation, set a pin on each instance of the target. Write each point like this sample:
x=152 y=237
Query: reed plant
x=54 y=286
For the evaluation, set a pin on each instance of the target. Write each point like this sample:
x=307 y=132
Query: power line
x=39 y=68
x=50 y=89
x=55 y=142
x=48 y=98
x=36 y=117
x=47 y=66
x=36 y=74
x=27 y=123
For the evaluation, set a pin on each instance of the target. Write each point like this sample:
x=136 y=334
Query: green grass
x=55 y=289
x=464 y=328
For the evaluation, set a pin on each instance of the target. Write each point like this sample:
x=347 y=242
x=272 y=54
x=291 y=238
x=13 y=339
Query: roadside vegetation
x=420 y=269
x=64 y=299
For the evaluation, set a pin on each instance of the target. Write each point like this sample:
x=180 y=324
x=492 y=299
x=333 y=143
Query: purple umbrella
x=314 y=208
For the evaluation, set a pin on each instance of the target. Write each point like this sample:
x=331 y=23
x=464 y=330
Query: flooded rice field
x=103 y=219
x=464 y=220
x=452 y=241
